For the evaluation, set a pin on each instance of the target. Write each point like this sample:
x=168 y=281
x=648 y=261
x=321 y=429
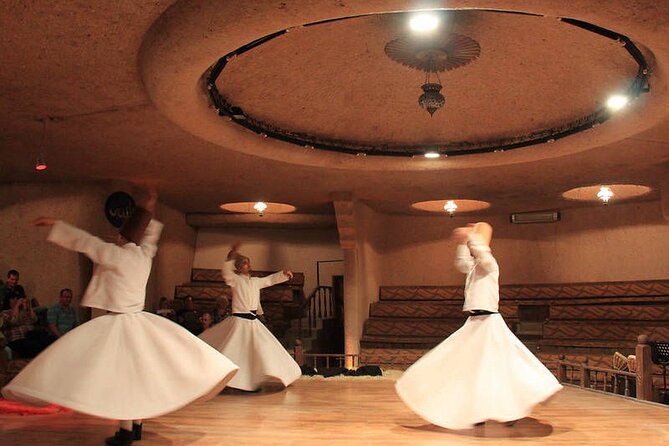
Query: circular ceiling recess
x=620 y=192
x=491 y=80
x=250 y=207
x=462 y=205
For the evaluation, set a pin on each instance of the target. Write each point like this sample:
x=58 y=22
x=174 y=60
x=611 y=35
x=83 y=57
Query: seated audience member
x=10 y=287
x=22 y=337
x=41 y=313
x=206 y=322
x=62 y=317
x=188 y=317
x=165 y=309
x=222 y=309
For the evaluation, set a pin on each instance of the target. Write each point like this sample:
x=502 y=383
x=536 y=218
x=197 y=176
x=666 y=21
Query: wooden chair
x=620 y=362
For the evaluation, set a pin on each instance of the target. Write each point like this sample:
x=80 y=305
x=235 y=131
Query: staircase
x=320 y=327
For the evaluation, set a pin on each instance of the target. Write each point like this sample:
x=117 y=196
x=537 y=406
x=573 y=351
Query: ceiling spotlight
x=260 y=206
x=40 y=164
x=237 y=113
x=424 y=22
x=617 y=101
x=450 y=207
x=432 y=155
x=605 y=194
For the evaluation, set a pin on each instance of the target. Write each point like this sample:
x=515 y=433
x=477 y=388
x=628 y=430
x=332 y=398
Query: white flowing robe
x=481 y=285
x=482 y=371
x=128 y=364
x=248 y=342
x=246 y=289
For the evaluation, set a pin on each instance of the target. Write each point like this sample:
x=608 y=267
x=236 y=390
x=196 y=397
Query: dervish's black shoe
x=122 y=437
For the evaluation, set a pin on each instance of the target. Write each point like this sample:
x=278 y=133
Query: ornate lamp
x=450 y=207
x=431 y=100
x=260 y=206
x=40 y=164
x=605 y=193
x=433 y=55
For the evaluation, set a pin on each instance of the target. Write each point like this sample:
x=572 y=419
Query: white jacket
x=246 y=290
x=482 y=284
x=120 y=273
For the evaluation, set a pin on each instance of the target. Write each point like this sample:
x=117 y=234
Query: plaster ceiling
x=116 y=91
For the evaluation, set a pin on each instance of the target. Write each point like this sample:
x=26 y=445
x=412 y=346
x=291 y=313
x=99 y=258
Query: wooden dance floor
x=354 y=411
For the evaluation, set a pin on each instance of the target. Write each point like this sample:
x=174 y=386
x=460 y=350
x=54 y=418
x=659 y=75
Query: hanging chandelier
x=431 y=99
x=432 y=55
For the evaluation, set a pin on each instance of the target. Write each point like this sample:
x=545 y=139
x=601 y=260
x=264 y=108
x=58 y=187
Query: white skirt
x=255 y=350
x=481 y=372
x=123 y=366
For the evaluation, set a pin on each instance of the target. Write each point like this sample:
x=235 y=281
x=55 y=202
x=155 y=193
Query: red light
x=40 y=166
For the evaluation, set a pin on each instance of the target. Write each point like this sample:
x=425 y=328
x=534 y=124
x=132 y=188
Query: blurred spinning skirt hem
x=126 y=366
x=481 y=372
x=259 y=355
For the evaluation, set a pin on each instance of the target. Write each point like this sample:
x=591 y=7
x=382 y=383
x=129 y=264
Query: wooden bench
x=580 y=320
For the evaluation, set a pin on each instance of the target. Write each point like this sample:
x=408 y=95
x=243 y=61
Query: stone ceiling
x=117 y=91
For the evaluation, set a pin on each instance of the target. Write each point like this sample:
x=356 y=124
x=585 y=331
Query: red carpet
x=13 y=408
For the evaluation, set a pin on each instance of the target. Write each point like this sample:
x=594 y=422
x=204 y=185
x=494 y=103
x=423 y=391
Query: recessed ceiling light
x=621 y=192
x=617 y=101
x=432 y=155
x=605 y=194
x=450 y=207
x=260 y=206
x=424 y=22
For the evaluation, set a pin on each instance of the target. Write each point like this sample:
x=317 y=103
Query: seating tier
x=580 y=320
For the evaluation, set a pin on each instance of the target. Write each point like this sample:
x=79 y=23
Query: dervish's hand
x=460 y=234
x=233 y=250
x=44 y=221
x=151 y=200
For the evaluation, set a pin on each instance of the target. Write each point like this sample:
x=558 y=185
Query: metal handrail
x=319 y=305
x=340 y=359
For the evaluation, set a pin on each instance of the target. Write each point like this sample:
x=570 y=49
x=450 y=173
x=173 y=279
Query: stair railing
x=318 y=305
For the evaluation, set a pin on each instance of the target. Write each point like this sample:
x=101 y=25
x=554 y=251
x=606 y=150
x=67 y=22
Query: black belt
x=481 y=312
x=250 y=316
